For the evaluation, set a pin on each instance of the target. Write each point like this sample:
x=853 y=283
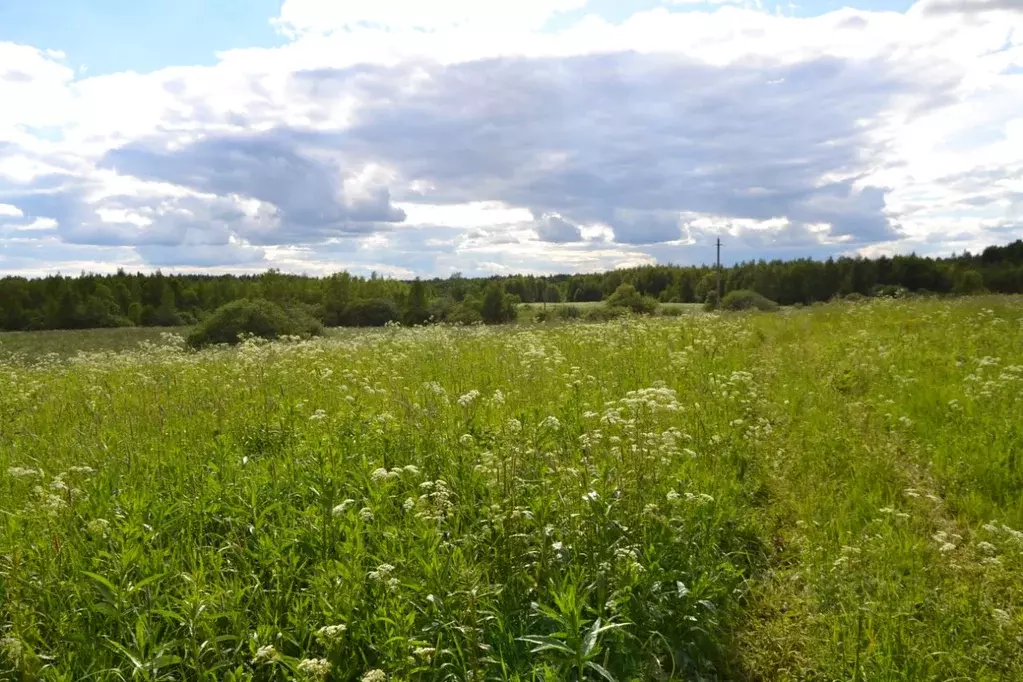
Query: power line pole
x=718 y=289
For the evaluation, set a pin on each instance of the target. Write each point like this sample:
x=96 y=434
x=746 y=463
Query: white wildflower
x=469 y=398
x=551 y=423
x=379 y=475
x=98 y=527
x=342 y=508
x=22 y=472
x=331 y=634
x=424 y=651
x=986 y=547
x=671 y=496
x=265 y=654
x=366 y=514
x=314 y=668
x=1001 y=616
x=382 y=573
x=408 y=504
x=375 y=675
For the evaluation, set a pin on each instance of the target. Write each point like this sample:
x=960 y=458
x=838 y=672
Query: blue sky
x=108 y=36
x=497 y=136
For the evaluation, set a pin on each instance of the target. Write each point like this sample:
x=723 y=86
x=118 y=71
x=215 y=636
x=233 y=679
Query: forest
x=158 y=299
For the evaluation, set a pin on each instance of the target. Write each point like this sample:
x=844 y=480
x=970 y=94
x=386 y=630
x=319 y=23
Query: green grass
x=64 y=343
x=832 y=493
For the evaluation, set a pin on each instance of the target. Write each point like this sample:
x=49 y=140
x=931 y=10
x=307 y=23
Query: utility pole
x=718 y=289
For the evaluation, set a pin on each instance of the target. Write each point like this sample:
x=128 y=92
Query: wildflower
x=331 y=634
x=314 y=668
x=557 y=546
x=468 y=399
x=382 y=573
x=465 y=439
x=672 y=496
x=424 y=651
x=265 y=654
x=21 y=472
x=98 y=527
x=498 y=398
x=551 y=423
x=411 y=469
x=366 y=514
x=379 y=475
x=13 y=648
x=375 y=675
x=408 y=504
x=986 y=547
x=947 y=547
x=342 y=508
x=82 y=470
x=317 y=416
x=1001 y=616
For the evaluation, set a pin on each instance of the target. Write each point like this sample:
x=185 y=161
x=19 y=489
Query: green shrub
x=626 y=296
x=464 y=313
x=497 y=306
x=604 y=313
x=671 y=311
x=745 y=299
x=712 y=302
x=568 y=312
x=369 y=312
x=258 y=317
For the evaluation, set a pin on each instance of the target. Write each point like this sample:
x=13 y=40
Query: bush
x=626 y=296
x=889 y=291
x=605 y=313
x=258 y=317
x=568 y=312
x=672 y=311
x=745 y=299
x=369 y=312
x=463 y=313
x=711 y=302
x=497 y=306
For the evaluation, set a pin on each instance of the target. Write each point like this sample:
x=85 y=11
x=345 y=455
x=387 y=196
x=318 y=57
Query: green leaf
x=600 y=670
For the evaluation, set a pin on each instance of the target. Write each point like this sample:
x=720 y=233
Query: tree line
x=158 y=299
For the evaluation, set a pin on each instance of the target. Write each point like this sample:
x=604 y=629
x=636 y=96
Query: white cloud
x=412 y=137
x=300 y=17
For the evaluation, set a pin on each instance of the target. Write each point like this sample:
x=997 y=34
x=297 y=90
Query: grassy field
x=831 y=493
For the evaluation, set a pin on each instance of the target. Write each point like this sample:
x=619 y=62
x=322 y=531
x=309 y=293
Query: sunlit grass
x=828 y=493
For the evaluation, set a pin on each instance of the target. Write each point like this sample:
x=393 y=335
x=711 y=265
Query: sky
x=501 y=136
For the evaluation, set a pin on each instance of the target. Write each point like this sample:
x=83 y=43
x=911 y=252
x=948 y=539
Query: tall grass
x=831 y=493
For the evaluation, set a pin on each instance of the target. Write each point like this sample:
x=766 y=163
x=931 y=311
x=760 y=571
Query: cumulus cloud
x=474 y=137
x=970 y=6
x=551 y=227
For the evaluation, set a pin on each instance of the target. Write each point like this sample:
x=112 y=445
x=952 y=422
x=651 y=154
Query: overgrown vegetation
x=744 y=299
x=237 y=320
x=824 y=493
x=341 y=299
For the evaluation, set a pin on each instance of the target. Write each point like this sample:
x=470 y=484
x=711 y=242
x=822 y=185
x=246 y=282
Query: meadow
x=829 y=493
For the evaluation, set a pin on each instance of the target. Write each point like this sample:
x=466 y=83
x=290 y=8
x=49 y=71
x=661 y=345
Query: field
x=831 y=493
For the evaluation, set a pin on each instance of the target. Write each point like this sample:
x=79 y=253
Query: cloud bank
x=477 y=138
